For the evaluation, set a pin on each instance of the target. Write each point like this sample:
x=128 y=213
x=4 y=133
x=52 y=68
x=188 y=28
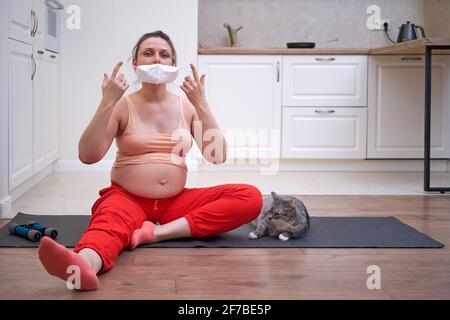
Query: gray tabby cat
x=282 y=216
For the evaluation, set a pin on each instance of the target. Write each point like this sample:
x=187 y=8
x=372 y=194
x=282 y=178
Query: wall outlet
x=378 y=25
x=386 y=21
x=374 y=21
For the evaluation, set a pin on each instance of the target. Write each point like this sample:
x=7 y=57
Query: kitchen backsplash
x=437 y=18
x=273 y=23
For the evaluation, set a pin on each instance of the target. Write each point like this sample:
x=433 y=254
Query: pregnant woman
x=147 y=201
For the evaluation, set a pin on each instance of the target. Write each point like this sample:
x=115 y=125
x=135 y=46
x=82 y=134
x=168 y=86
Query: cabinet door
x=244 y=93
x=334 y=81
x=20 y=104
x=46 y=110
x=396 y=107
x=21 y=22
x=325 y=133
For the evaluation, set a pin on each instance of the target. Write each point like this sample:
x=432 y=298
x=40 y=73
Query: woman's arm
x=212 y=142
x=99 y=134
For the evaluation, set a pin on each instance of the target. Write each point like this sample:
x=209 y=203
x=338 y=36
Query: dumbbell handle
x=47 y=231
x=23 y=231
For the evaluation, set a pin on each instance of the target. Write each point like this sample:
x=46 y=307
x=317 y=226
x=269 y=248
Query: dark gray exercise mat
x=325 y=232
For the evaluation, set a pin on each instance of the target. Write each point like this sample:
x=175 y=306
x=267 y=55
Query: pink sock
x=146 y=234
x=57 y=258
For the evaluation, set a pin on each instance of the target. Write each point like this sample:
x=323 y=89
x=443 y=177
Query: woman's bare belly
x=151 y=180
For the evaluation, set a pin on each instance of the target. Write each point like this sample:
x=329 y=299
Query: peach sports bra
x=140 y=144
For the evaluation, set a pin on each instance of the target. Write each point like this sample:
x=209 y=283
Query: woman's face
x=154 y=51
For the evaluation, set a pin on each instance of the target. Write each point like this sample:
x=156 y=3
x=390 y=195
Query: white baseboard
x=101 y=166
x=194 y=166
x=5 y=207
x=6 y=203
x=78 y=166
x=400 y=165
x=279 y=165
x=30 y=183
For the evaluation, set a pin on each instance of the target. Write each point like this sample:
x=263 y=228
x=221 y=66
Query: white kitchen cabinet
x=20 y=109
x=244 y=93
x=396 y=107
x=33 y=103
x=324 y=133
x=20 y=20
x=332 y=81
x=46 y=109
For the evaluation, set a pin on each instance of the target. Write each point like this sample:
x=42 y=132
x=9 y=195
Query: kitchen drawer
x=332 y=81
x=325 y=133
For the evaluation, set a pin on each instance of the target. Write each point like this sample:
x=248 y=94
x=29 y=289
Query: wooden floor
x=265 y=273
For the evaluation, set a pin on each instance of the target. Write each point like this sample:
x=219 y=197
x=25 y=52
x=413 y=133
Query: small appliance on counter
x=408 y=31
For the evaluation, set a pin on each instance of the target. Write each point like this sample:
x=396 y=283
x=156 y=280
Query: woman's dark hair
x=155 y=34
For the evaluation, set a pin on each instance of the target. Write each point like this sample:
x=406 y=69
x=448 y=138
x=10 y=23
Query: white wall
x=109 y=30
x=5 y=201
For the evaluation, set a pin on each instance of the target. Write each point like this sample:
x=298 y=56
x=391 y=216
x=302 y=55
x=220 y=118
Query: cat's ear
x=274 y=195
x=292 y=201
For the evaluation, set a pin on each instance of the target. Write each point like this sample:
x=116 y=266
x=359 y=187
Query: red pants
x=209 y=211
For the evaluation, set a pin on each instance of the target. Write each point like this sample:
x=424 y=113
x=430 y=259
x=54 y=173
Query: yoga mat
x=325 y=232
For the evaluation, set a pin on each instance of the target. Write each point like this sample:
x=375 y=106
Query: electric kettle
x=408 y=32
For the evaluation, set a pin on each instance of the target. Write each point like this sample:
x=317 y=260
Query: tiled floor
x=75 y=192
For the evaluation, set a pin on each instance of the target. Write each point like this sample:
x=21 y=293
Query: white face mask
x=156 y=73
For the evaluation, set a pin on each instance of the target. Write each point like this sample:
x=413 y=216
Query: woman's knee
x=252 y=192
x=121 y=210
x=117 y=221
x=254 y=199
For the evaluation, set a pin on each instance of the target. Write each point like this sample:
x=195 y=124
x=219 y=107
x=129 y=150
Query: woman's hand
x=113 y=88
x=195 y=89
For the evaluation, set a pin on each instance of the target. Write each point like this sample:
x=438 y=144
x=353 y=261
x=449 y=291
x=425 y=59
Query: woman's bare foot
x=146 y=234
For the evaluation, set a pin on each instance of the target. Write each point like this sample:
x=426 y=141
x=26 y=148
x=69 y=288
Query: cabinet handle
x=324 y=111
x=411 y=58
x=34 y=67
x=52 y=56
x=278 y=71
x=33 y=15
x=40 y=52
x=37 y=24
x=325 y=59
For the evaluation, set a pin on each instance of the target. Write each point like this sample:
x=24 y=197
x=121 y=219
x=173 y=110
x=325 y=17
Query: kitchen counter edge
x=408 y=47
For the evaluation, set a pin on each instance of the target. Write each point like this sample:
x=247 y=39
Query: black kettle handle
x=421 y=30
